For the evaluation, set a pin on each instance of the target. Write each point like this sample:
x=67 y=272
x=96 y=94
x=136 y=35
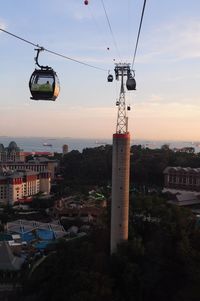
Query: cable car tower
x=122 y=70
x=121 y=162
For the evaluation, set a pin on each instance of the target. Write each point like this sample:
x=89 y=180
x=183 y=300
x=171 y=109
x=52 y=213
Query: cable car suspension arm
x=36 y=59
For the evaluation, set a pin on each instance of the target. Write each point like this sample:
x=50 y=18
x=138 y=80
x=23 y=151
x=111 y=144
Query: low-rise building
x=12 y=157
x=13 y=153
x=37 y=165
x=15 y=185
x=184 y=184
x=10 y=153
x=182 y=178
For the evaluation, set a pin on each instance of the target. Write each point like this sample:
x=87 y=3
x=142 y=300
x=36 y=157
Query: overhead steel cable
x=99 y=29
x=95 y=22
x=111 y=31
x=138 y=36
x=17 y=37
x=53 y=52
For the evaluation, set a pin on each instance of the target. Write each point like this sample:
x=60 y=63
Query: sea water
x=33 y=144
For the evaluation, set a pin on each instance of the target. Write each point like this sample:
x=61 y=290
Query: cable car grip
x=37 y=56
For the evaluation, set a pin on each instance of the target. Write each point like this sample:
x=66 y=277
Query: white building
x=15 y=185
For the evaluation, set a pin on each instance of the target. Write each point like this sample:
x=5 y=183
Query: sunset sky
x=166 y=104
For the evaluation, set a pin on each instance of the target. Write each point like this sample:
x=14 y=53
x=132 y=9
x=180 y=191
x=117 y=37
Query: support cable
x=111 y=31
x=138 y=36
x=53 y=52
x=99 y=29
x=96 y=23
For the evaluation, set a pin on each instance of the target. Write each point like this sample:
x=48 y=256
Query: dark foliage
x=82 y=171
x=94 y=166
x=161 y=260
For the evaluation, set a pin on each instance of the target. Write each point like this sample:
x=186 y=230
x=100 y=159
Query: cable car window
x=42 y=83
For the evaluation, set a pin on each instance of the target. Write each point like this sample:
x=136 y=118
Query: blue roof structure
x=33 y=231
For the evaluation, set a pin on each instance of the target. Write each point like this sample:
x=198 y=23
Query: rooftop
x=184 y=169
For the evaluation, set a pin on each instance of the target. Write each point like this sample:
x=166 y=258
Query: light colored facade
x=33 y=165
x=13 y=158
x=65 y=149
x=15 y=186
x=120 y=189
x=13 y=153
x=10 y=153
x=45 y=182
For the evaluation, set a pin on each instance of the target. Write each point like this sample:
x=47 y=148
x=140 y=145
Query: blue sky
x=166 y=104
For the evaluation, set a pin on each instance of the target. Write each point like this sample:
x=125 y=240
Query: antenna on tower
x=122 y=70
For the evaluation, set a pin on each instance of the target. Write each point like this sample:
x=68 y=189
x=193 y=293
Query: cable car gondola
x=44 y=83
x=110 y=78
x=131 y=83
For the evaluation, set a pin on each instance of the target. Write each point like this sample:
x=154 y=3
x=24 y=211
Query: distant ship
x=47 y=144
x=197 y=144
x=100 y=142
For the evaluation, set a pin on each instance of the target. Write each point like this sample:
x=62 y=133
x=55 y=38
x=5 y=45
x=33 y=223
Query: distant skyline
x=165 y=105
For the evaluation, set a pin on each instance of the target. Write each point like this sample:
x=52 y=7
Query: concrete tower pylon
x=120 y=168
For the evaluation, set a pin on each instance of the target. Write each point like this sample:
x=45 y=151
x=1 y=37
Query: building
x=15 y=186
x=24 y=155
x=9 y=262
x=41 y=164
x=183 y=184
x=85 y=212
x=182 y=178
x=65 y=149
x=189 y=150
x=38 y=165
x=10 y=153
x=13 y=158
x=34 y=231
x=13 y=153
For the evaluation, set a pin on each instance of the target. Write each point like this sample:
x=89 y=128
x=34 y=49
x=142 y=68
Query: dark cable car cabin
x=44 y=85
x=131 y=83
x=128 y=108
x=117 y=103
x=110 y=78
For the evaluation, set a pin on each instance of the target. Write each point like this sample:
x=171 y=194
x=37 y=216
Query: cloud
x=176 y=41
x=167 y=110
x=2 y=24
x=155 y=98
x=165 y=121
x=81 y=15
